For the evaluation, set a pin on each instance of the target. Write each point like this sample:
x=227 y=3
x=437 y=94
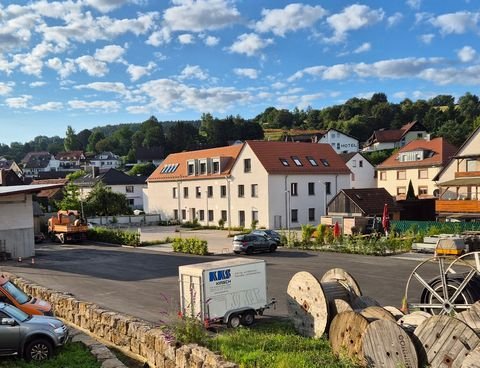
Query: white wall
x=340 y=142
x=363 y=177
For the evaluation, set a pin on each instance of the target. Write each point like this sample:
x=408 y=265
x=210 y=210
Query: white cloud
x=37 y=84
x=427 y=38
x=249 y=44
x=6 y=88
x=48 y=106
x=91 y=66
x=211 y=41
x=201 y=15
x=110 y=54
x=98 y=106
x=246 y=72
x=136 y=71
x=18 y=102
x=159 y=37
x=193 y=72
x=457 y=23
x=64 y=69
x=363 y=48
x=394 y=19
x=352 y=18
x=414 y=4
x=107 y=5
x=466 y=54
x=279 y=85
x=291 y=18
x=186 y=39
x=115 y=87
x=336 y=72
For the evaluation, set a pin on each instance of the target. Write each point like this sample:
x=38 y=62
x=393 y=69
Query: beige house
x=419 y=162
x=383 y=139
x=274 y=184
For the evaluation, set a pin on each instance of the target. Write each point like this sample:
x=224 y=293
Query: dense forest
x=359 y=117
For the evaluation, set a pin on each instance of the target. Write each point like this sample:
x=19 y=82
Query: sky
x=88 y=63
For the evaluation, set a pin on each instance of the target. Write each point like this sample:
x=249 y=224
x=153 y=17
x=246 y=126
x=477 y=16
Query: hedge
x=190 y=246
x=114 y=236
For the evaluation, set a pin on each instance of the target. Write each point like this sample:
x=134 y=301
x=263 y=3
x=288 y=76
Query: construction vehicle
x=67 y=226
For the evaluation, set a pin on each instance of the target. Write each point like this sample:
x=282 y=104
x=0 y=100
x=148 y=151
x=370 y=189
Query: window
x=223 y=191
x=185 y=192
x=216 y=167
x=254 y=216
x=354 y=163
x=210 y=215
x=241 y=191
x=423 y=173
x=312 y=161
x=209 y=191
x=294 y=216
x=201 y=215
x=353 y=177
x=174 y=192
x=184 y=214
x=311 y=214
x=360 y=163
x=401 y=175
x=247 y=165
x=223 y=215
x=297 y=161
x=401 y=190
x=293 y=189
x=338 y=145
x=191 y=169
x=130 y=201
x=311 y=188
x=203 y=168
x=422 y=191
x=198 y=192
x=129 y=189
x=325 y=162
x=419 y=135
x=383 y=175
x=328 y=187
x=284 y=162
x=254 y=190
x=175 y=214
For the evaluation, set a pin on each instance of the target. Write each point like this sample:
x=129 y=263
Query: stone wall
x=129 y=334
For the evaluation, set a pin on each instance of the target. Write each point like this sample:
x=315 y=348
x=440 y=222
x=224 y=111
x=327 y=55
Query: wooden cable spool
x=411 y=321
x=364 y=301
x=387 y=345
x=311 y=303
x=397 y=313
x=345 y=335
x=472 y=360
x=374 y=313
x=472 y=318
x=444 y=341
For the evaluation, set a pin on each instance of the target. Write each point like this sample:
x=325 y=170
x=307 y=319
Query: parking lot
x=143 y=282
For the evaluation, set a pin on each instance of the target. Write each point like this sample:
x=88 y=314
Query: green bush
x=114 y=236
x=190 y=246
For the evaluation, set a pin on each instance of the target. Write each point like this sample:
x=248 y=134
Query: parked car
x=11 y=294
x=32 y=337
x=250 y=243
x=270 y=234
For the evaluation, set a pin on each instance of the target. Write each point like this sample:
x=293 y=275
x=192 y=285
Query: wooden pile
x=375 y=336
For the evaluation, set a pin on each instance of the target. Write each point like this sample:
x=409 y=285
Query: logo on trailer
x=220 y=276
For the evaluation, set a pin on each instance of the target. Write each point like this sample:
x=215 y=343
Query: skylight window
x=312 y=161
x=297 y=161
x=170 y=168
x=325 y=162
x=284 y=162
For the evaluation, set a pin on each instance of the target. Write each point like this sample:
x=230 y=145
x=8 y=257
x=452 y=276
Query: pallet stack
x=375 y=336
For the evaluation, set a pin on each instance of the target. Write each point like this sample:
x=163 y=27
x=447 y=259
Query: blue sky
x=87 y=63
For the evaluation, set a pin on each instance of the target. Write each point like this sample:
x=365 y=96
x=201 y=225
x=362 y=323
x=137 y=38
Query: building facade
x=363 y=172
x=340 y=142
x=395 y=138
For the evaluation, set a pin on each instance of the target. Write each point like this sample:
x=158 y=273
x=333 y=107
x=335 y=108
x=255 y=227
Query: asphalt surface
x=144 y=282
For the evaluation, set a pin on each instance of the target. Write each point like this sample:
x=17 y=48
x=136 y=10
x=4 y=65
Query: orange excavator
x=67 y=226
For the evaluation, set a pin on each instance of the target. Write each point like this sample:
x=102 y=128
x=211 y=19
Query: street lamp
x=206 y=196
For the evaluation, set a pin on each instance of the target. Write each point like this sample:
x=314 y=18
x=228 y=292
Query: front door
x=241 y=218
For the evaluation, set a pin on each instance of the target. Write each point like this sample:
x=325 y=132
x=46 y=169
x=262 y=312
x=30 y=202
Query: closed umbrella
x=336 y=230
x=386 y=219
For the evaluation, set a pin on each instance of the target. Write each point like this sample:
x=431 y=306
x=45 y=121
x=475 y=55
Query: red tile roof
x=394 y=135
x=50 y=192
x=270 y=153
x=181 y=159
x=441 y=149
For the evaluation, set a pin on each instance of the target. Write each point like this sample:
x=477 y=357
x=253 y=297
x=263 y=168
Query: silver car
x=33 y=337
x=250 y=243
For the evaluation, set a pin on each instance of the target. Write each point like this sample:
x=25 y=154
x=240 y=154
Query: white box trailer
x=229 y=291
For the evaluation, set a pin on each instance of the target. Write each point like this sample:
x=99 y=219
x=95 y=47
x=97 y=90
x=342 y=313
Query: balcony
x=467 y=174
x=457 y=206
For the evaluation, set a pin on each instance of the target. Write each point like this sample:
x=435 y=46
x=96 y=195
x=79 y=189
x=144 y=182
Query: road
x=143 y=282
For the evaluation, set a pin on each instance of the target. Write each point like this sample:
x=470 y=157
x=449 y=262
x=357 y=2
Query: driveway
x=144 y=282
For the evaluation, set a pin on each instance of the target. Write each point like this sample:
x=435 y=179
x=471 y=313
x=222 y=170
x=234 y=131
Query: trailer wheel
x=233 y=321
x=248 y=318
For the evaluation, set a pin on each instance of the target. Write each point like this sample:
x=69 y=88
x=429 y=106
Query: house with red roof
x=383 y=139
x=419 y=162
x=272 y=184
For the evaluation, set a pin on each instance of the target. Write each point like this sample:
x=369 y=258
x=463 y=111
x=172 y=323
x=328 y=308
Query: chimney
x=428 y=137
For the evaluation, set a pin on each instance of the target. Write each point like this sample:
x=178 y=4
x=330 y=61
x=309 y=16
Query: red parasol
x=385 y=219
x=336 y=230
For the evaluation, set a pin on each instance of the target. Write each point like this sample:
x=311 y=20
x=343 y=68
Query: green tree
x=410 y=191
x=71 y=198
x=71 y=142
x=82 y=138
x=94 y=138
x=101 y=201
x=142 y=169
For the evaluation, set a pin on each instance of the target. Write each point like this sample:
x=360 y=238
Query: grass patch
x=275 y=345
x=72 y=355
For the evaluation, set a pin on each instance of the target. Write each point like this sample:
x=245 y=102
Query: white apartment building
x=340 y=142
x=274 y=184
x=363 y=172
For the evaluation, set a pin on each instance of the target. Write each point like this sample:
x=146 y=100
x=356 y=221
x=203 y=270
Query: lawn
x=72 y=355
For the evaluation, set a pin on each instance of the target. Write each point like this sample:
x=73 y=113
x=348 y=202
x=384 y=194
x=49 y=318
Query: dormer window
x=191 y=168
x=297 y=161
x=216 y=167
x=325 y=162
x=284 y=162
x=203 y=168
x=312 y=161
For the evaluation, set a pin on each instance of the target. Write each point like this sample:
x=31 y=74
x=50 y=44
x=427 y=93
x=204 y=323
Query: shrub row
x=190 y=246
x=114 y=236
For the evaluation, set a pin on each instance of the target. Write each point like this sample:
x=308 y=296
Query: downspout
x=286 y=201
x=179 y=204
x=229 y=216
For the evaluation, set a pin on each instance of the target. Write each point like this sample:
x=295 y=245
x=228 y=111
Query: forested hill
x=441 y=115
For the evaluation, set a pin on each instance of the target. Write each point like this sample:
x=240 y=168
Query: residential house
x=363 y=172
x=395 y=138
x=271 y=184
x=16 y=219
x=155 y=155
x=36 y=162
x=459 y=183
x=419 y=162
x=9 y=178
x=341 y=142
x=47 y=197
x=11 y=165
x=106 y=160
x=306 y=136
x=118 y=182
x=70 y=160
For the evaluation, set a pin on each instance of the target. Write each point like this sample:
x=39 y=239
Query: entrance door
x=241 y=218
x=277 y=222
